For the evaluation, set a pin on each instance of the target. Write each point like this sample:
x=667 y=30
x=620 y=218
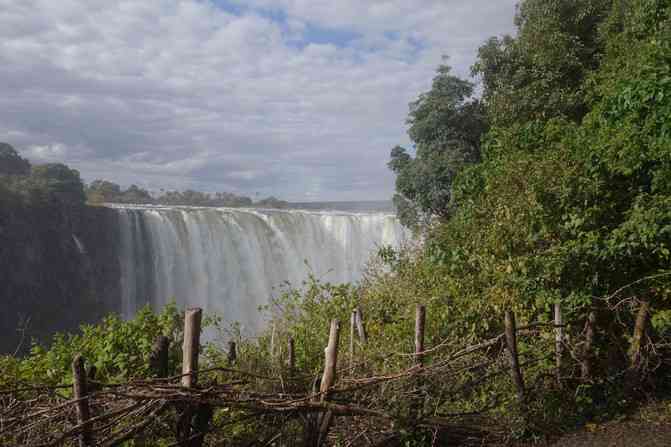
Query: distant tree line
x=19 y=181
x=103 y=191
x=47 y=183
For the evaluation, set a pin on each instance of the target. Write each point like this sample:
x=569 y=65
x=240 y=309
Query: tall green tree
x=59 y=182
x=445 y=125
x=540 y=73
x=100 y=191
x=11 y=162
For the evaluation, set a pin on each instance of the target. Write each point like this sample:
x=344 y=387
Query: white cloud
x=184 y=94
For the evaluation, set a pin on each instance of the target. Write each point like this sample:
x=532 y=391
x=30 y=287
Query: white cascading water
x=229 y=260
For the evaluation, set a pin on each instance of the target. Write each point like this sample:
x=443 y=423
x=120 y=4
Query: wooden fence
x=108 y=414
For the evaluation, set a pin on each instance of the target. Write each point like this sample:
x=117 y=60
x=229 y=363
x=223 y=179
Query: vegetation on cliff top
x=57 y=183
x=103 y=191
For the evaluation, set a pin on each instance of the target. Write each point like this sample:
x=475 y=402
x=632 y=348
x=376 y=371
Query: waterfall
x=80 y=246
x=230 y=261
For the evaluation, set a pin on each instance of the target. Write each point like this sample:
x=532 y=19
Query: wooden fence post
x=232 y=356
x=633 y=374
x=331 y=359
x=328 y=378
x=586 y=355
x=190 y=352
x=80 y=394
x=291 y=354
x=191 y=348
x=639 y=332
x=352 y=325
x=272 y=343
x=420 y=322
x=91 y=385
x=511 y=344
x=158 y=359
x=361 y=326
x=559 y=339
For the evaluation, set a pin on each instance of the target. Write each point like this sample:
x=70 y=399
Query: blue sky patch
x=312 y=33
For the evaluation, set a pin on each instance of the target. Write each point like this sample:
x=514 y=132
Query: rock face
x=58 y=268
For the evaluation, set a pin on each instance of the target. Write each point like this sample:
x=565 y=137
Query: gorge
x=119 y=258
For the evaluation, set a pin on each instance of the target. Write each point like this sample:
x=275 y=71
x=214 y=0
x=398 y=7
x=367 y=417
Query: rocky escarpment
x=58 y=268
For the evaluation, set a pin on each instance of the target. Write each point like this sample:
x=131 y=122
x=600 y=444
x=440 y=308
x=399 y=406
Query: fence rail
x=107 y=414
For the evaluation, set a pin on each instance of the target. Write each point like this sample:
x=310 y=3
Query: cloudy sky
x=301 y=99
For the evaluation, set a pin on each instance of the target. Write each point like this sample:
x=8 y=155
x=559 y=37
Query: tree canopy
x=11 y=162
x=43 y=183
x=445 y=126
x=569 y=199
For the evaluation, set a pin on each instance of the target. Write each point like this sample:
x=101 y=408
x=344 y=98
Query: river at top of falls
x=230 y=261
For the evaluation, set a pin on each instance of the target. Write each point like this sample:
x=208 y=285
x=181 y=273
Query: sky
x=300 y=99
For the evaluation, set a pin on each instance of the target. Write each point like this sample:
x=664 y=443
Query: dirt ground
x=650 y=426
x=622 y=434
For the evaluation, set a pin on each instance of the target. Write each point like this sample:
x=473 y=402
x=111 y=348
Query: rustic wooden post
x=158 y=359
x=331 y=359
x=559 y=339
x=291 y=354
x=633 y=374
x=328 y=378
x=586 y=365
x=639 y=332
x=511 y=344
x=360 y=325
x=80 y=394
x=232 y=356
x=91 y=385
x=272 y=344
x=190 y=352
x=420 y=322
x=191 y=348
x=352 y=325
x=91 y=372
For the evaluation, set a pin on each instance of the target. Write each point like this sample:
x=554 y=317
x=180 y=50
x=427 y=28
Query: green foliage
x=445 y=127
x=570 y=201
x=118 y=349
x=305 y=313
x=52 y=183
x=11 y=162
x=272 y=202
x=58 y=182
x=102 y=191
x=540 y=73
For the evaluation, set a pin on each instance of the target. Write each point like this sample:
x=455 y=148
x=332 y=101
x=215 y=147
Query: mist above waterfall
x=229 y=261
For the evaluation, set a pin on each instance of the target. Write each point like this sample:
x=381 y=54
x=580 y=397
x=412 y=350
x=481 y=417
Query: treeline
x=552 y=190
x=58 y=183
x=103 y=191
x=21 y=183
x=46 y=284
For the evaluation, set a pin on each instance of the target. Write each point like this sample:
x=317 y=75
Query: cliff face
x=58 y=268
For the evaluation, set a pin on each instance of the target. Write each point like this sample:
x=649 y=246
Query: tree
x=101 y=191
x=11 y=162
x=540 y=74
x=572 y=201
x=272 y=202
x=445 y=126
x=59 y=182
x=135 y=194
